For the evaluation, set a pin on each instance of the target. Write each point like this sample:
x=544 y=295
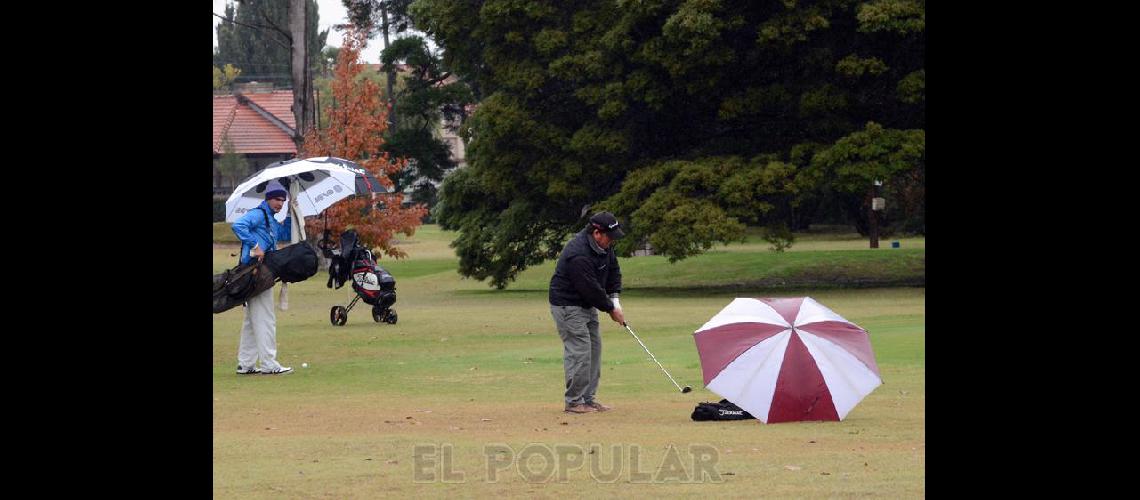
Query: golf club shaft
x=630 y=330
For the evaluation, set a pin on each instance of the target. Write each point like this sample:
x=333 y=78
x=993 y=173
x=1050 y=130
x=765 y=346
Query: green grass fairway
x=470 y=380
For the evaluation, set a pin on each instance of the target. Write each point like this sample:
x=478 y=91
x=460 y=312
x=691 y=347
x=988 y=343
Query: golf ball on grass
x=304 y=365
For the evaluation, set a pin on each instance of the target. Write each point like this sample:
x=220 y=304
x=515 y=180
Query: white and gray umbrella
x=316 y=183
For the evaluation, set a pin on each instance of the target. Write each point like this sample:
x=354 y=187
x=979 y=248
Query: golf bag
x=296 y=262
x=235 y=286
x=724 y=410
x=370 y=282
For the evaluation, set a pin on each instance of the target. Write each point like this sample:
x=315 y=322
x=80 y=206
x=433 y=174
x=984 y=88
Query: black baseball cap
x=607 y=223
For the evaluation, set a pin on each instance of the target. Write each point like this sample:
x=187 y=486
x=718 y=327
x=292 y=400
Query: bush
x=779 y=236
x=219 y=210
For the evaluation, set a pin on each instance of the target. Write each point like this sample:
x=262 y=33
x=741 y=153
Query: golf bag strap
x=267 y=228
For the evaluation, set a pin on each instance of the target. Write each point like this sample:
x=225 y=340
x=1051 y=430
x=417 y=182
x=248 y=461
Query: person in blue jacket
x=259 y=233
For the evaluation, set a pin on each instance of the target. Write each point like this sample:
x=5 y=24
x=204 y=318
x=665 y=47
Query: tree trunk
x=302 y=113
x=874 y=220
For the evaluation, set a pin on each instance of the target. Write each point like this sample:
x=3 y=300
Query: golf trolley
x=370 y=282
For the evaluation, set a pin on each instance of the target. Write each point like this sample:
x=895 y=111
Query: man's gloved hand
x=617 y=314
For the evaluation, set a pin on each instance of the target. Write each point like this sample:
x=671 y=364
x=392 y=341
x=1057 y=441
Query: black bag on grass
x=724 y=410
x=296 y=262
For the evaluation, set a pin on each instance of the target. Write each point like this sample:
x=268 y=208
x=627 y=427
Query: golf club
x=630 y=330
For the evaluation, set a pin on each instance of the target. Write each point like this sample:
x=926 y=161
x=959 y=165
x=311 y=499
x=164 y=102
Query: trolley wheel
x=391 y=319
x=338 y=315
x=378 y=314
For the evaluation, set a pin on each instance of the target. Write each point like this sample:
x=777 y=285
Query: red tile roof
x=247 y=129
x=379 y=68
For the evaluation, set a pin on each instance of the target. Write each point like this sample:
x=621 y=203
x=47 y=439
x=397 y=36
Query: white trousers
x=259 y=333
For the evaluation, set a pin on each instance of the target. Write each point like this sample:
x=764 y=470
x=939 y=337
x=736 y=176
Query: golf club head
x=686 y=389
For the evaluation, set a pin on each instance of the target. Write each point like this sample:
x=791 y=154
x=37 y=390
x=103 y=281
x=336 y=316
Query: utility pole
x=391 y=70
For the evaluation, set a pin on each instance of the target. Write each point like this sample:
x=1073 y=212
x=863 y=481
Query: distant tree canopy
x=224 y=77
x=686 y=118
x=426 y=98
x=369 y=16
x=255 y=37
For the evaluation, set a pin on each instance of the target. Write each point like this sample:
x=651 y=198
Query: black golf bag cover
x=340 y=261
x=296 y=262
x=235 y=286
x=373 y=283
x=724 y=410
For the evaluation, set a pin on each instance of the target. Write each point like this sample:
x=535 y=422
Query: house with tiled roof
x=259 y=123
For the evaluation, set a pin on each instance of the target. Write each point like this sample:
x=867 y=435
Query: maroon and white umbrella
x=787 y=359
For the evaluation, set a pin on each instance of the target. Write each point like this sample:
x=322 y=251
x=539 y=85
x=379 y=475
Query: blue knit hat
x=274 y=190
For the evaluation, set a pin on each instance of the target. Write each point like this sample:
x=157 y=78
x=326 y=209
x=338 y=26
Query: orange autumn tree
x=356 y=122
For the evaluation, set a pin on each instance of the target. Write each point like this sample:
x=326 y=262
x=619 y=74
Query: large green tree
x=427 y=99
x=255 y=37
x=687 y=118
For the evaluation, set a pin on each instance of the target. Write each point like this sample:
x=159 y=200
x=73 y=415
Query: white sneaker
x=247 y=371
x=279 y=371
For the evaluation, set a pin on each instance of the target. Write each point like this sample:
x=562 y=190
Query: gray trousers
x=581 y=351
x=259 y=333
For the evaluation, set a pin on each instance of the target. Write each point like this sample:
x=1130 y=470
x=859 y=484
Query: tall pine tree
x=255 y=37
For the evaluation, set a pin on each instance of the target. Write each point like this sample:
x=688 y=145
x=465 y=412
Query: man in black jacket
x=587 y=279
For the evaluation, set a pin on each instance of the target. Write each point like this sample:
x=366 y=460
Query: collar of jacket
x=594 y=244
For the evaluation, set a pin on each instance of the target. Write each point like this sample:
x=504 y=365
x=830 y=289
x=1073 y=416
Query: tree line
x=689 y=119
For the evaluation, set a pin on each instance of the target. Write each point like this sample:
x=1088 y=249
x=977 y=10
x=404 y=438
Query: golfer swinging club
x=587 y=279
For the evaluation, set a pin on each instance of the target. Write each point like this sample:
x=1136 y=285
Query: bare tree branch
x=259 y=26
